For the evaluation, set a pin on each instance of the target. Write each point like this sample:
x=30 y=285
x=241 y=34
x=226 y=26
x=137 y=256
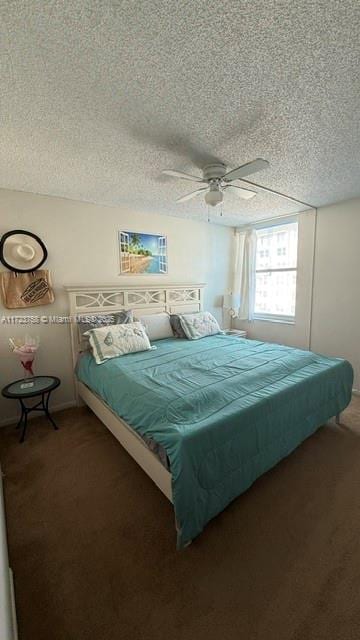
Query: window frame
x=274 y=317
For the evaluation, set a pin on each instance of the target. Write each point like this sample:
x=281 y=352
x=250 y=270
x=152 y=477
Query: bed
x=224 y=409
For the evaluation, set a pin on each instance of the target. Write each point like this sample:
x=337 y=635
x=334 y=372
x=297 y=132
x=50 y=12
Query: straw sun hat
x=22 y=251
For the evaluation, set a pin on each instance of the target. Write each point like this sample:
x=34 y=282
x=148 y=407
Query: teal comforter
x=225 y=409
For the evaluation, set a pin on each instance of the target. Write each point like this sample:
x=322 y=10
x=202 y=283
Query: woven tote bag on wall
x=22 y=290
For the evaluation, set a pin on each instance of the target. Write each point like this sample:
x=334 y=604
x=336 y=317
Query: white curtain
x=243 y=284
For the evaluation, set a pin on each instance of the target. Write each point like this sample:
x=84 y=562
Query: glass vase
x=27 y=361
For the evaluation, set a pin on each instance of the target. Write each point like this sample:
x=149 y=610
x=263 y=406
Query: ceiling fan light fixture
x=217 y=181
x=214 y=196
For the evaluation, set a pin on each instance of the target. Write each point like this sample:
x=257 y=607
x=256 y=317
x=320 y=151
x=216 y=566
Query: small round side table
x=32 y=388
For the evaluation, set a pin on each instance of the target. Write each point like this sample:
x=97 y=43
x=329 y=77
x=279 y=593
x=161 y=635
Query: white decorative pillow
x=117 y=340
x=157 y=325
x=87 y=322
x=199 y=325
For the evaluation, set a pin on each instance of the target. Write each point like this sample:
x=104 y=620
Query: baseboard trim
x=356 y=392
x=54 y=408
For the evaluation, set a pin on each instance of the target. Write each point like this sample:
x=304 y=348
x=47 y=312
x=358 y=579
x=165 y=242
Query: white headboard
x=106 y=298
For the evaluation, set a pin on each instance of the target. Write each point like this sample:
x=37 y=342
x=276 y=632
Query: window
x=162 y=251
x=276 y=269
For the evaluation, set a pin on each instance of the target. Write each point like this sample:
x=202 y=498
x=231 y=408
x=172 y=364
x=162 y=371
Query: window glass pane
x=277 y=247
x=276 y=293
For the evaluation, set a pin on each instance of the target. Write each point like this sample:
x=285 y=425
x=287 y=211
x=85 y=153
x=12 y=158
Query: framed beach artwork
x=142 y=253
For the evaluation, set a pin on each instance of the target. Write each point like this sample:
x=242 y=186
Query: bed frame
x=97 y=299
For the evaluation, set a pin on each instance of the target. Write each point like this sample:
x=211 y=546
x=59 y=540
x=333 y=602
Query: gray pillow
x=176 y=326
x=94 y=321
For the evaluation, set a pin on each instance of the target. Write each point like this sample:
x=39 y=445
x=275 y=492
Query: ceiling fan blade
x=180 y=174
x=245 y=194
x=246 y=169
x=192 y=194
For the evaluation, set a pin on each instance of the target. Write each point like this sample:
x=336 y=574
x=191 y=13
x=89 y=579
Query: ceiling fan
x=217 y=181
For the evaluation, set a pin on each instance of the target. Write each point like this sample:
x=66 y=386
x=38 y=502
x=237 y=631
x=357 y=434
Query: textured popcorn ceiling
x=97 y=97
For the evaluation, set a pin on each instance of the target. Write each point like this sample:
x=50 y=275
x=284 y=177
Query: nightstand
x=32 y=388
x=236 y=332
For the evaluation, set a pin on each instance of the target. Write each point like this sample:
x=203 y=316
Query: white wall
x=336 y=308
x=81 y=242
x=335 y=325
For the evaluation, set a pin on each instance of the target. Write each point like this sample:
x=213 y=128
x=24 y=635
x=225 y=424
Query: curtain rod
x=262 y=221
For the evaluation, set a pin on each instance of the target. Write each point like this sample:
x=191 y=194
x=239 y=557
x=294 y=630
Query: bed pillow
x=199 y=325
x=157 y=326
x=117 y=340
x=176 y=326
x=94 y=321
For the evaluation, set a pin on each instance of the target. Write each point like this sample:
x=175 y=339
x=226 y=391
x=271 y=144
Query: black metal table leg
x=24 y=413
x=21 y=417
x=44 y=406
x=46 y=409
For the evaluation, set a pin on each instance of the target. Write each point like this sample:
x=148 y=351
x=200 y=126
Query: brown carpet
x=92 y=543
